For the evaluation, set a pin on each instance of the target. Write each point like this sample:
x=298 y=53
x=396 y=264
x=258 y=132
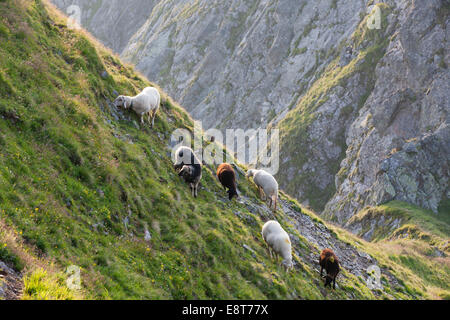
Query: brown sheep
x=330 y=262
x=227 y=178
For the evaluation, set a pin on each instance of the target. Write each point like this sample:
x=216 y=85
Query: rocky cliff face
x=232 y=64
x=361 y=99
x=114 y=22
x=398 y=146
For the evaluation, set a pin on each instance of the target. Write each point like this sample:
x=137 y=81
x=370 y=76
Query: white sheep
x=146 y=102
x=278 y=241
x=265 y=181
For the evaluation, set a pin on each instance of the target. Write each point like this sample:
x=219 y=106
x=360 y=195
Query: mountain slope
x=363 y=113
x=112 y=21
x=398 y=145
x=253 y=58
x=372 y=128
x=81 y=183
x=416 y=238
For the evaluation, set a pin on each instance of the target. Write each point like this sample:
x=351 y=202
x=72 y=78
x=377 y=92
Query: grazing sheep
x=265 y=181
x=278 y=241
x=330 y=262
x=146 y=102
x=192 y=175
x=191 y=168
x=227 y=178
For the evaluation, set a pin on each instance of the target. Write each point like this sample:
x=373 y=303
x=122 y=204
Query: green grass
x=428 y=222
x=40 y=286
x=71 y=175
x=9 y=257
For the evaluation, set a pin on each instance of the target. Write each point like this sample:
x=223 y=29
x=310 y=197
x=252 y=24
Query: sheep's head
x=122 y=101
x=287 y=264
x=232 y=193
x=186 y=171
x=179 y=162
x=250 y=173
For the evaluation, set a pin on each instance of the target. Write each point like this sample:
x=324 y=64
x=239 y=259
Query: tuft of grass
x=424 y=220
x=7 y=256
x=40 y=286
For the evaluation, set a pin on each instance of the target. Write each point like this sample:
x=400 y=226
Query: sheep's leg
x=196 y=189
x=274 y=255
x=142 y=118
x=261 y=194
x=153 y=117
x=275 y=205
x=268 y=250
x=149 y=117
x=334 y=283
x=321 y=271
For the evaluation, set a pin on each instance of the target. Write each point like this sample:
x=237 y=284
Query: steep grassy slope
x=415 y=238
x=386 y=221
x=81 y=182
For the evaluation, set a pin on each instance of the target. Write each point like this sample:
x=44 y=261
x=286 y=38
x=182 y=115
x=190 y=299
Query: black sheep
x=192 y=175
x=191 y=168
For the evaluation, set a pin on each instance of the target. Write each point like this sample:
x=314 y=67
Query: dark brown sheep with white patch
x=227 y=178
x=330 y=263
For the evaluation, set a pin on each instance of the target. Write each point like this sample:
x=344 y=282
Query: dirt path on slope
x=10 y=283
